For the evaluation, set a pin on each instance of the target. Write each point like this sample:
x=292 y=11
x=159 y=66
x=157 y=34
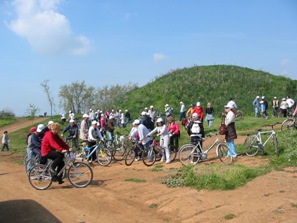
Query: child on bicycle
x=196 y=131
x=162 y=131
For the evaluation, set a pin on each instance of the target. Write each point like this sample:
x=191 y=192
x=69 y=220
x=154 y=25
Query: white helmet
x=160 y=120
x=195 y=115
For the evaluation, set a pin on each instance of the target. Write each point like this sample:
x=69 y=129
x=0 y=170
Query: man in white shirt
x=290 y=103
x=182 y=111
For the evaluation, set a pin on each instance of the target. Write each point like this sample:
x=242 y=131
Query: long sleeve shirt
x=51 y=142
x=230 y=117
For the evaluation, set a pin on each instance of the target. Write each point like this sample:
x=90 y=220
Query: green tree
x=32 y=110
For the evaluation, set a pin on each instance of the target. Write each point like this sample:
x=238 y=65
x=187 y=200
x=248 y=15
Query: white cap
x=151 y=106
x=160 y=120
x=258 y=97
x=120 y=110
x=94 y=122
x=167 y=105
x=71 y=120
x=40 y=127
x=136 y=122
x=275 y=97
x=198 y=103
x=50 y=122
x=143 y=113
x=85 y=116
x=195 y=115
x=283 y=99
x=263 y=97
x=145 y=108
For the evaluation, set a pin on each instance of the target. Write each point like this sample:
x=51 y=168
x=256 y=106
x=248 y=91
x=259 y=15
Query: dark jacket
x=231 y=132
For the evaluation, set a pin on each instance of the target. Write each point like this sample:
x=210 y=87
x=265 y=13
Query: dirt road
x=110 y=198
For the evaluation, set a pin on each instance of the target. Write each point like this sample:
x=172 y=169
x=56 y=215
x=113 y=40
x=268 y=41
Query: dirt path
x=270 y=198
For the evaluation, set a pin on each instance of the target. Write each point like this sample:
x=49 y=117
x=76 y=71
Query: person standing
x=182 y=111
x=284 y=107
x=290 y=103
x=256 y=104
x=275 y=106
x=5 y=141
x=199 y=110
x=94 y=136
x=168 y=110
x=152 y=113
x=173 y=129
x=231 y=131
x=209 y=114
x=84 y=127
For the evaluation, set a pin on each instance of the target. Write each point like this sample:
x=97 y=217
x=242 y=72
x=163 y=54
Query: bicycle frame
x=91 y=150
x=259 y=136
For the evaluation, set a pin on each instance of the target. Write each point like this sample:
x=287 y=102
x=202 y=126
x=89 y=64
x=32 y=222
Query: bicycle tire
x=288 y=124
x=40 y=177
x=239 y=114
x=148 y=156
x=119 y=152
x=188 y=154
x=275 y=144
x=130 y=157
x=25 y=159
x=104 y=156
x=251 y=146
x=224 y=153
x=173 y=152
x=80 y=174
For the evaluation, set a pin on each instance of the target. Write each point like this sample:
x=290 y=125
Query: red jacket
x=199 y=111
x=51 y=142
x=174 y=128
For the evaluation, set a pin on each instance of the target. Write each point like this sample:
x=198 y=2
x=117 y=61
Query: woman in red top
x=173 y=129
x=52 y=147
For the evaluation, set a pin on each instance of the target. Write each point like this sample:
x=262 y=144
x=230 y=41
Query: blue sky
x=107 y=42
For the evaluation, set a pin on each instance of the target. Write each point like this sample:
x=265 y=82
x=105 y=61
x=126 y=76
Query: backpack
x=195 y=129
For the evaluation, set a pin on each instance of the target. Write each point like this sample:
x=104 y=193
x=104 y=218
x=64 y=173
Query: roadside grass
x=7 y=121
x=228 y=177
x=135 y=180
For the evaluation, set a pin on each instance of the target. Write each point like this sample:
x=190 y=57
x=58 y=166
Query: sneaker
x=136 y=159
x=168 y=161
x=90 y=161
x=162 y=160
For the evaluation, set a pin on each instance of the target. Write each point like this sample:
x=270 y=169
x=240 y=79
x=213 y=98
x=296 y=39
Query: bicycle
x=103 y=155
x=72 y=142
x=118 y=147
x=239 y=114
x=79 y=174
x=289 y=124
x=254 y=143
x=160 y=151
x=193 y=153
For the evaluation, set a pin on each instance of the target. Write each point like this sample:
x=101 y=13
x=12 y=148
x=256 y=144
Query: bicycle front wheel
x=288 y=124
x=80 y=174
x=275 y=144
x=188 y=154
x=119 y=152
x=251 y=146
x=148 y=156
x=40 y=177
x=104 y=156
x=130 y=157
x=224 y=153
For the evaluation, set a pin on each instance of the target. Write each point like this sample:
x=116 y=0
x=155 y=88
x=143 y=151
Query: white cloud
x=47 y=31
x=159 y=56
x=285 y=62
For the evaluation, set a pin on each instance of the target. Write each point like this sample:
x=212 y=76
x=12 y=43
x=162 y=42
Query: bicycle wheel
x=158 y=153
x=148 y=156
x=275 y=144
x=288 y=124
x=224 y=153
x=239 y=114
x=80 y=174
x=40 y=177
x=188 y=154
x=31 y=163
x=119 y=152
x=104 y=156
x=130 y=157
x=173 y=152
x=25 y=159
x=251 y=146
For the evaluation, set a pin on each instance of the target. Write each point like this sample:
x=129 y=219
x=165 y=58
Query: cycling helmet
x=160 y=120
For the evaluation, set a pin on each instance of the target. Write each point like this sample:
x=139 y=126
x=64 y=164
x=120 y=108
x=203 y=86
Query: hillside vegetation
x=215 y=84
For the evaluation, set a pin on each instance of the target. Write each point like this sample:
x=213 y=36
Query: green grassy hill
x=215 y=84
